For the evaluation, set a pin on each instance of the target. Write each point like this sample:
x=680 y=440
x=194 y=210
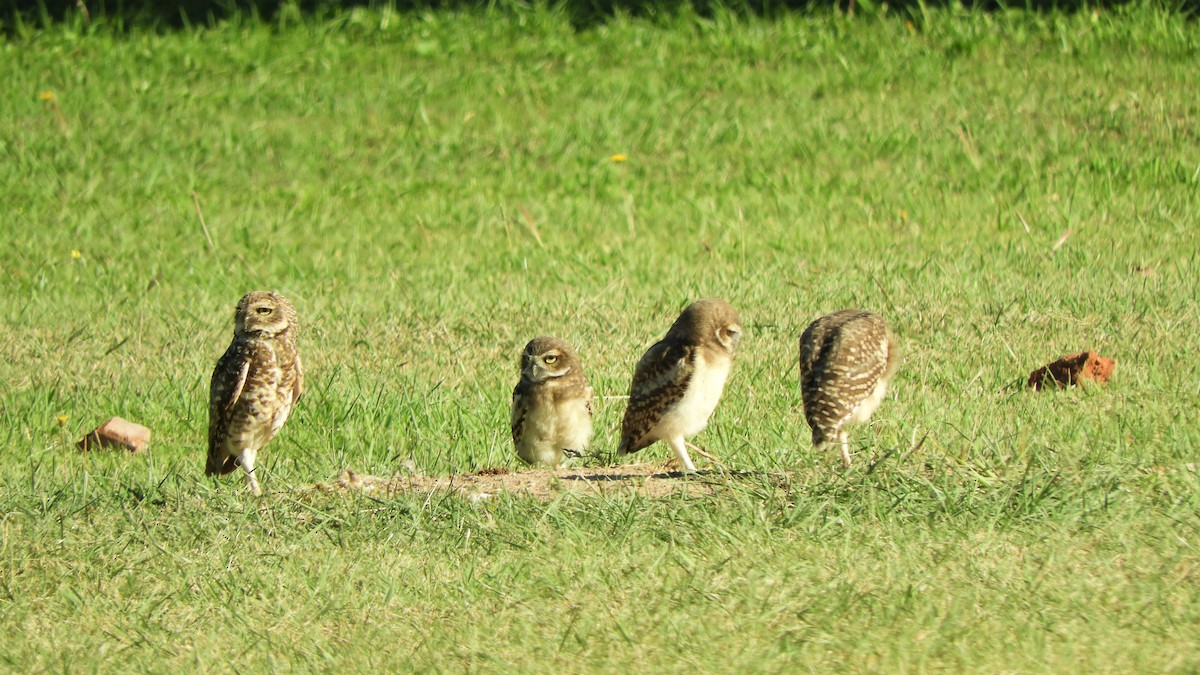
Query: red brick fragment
x=119 y=433
x=1073 y=369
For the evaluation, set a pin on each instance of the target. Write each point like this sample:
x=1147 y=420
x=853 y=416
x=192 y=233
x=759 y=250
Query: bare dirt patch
x=652 y=480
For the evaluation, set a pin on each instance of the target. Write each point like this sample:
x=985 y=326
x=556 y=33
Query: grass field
x=432 y=190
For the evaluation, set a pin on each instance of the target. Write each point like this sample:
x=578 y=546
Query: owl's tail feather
x=631 y=443
x=219 y=466
x=818 y=437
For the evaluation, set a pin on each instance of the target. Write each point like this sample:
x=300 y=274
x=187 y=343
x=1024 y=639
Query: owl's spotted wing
x=298 y=386
x=228 y=379
x=659 y=383
x=842 y=357
x=520 y=405
x=815 y=345
x=812 y=342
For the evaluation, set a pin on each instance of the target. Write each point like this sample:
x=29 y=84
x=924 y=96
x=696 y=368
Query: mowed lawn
x=432 y=190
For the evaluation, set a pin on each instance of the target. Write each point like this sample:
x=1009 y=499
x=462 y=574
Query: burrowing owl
x=678 y=382
x=255 y=384
x=552 y=403
x=846 y=360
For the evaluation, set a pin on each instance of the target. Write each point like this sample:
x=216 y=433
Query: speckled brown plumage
x=846 y=361
x=659 y=382
x=678 y=382
x=551 y=415
x=255 y=384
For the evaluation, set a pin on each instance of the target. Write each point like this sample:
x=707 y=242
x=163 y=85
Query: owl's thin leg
x=844 y=439
x=677 y=444
x=247 y=461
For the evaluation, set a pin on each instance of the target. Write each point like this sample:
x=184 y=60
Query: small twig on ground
x=203 y=225
x=532 y=225
x=1062 y=240
x=1023 y=221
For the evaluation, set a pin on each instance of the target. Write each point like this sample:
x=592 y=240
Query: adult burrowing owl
x=255 y=384
x=678 y=382
x=846 y=360
x=552 y=404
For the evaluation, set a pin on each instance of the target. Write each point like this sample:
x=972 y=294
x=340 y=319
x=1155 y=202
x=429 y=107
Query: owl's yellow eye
x=263 y=310
x=550 y=359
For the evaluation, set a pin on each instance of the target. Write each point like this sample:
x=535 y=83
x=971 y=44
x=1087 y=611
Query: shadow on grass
x=615 y=476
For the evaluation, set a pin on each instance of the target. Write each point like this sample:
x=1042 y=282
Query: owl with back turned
x=255 y=385
x=551 y=414
x=847 y=359
x=678 y=381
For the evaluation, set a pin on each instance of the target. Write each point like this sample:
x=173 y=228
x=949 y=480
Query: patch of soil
x=652 y=480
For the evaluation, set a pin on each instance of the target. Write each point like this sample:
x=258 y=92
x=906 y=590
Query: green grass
x=378 y=168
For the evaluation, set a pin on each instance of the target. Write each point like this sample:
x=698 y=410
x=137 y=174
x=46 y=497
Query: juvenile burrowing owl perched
x=255 y=384
x=846 y=360
x=552 y=404
x=679 y=380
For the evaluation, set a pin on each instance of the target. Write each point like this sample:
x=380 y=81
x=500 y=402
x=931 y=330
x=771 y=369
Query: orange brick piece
x=117 y=432
x=1073 y=369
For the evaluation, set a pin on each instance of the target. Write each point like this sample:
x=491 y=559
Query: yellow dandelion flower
x=47 y=96
x=619 y=157
x=62 y=419
x=75 y=254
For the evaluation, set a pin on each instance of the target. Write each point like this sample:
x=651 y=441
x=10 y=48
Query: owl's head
x=264 y=313
x=709 y=321
x=546 y=358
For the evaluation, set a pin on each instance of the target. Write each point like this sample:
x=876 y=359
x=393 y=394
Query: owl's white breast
x=689 y=417
x=549 y=429
x=575 y=432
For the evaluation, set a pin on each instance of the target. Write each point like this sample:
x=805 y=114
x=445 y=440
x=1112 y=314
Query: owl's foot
x=706 y=455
